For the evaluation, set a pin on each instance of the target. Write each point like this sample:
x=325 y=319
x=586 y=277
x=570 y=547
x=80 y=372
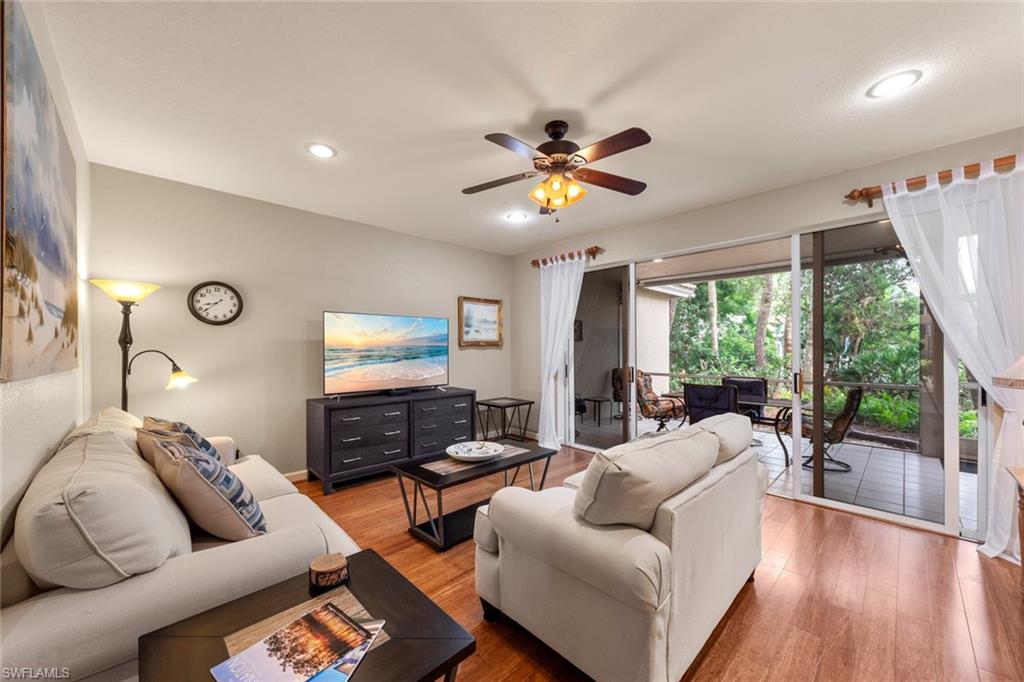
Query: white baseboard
x=296 y=476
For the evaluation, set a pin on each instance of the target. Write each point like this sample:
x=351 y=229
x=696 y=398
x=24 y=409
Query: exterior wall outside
x=653 y=326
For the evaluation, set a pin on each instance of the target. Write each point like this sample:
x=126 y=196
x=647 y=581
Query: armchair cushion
x=734 y=434
x=483 y=530
x=623 y=562
x=626 y=483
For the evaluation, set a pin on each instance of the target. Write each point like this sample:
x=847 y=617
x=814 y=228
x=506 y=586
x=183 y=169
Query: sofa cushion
x=574 y=481
x=214 y=498
x=109 y=420
x=262 y=480
x=292 y=511
x=164 y=425
x=734 y=434
x=626 y=483
x=96 y=514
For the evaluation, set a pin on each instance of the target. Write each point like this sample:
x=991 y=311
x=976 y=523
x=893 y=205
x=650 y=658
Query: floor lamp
x=128 y=295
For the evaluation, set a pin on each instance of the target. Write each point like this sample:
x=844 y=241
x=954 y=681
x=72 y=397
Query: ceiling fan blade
x=498 y=183
x=517 y=146
x=609 y=181
x=619 y=142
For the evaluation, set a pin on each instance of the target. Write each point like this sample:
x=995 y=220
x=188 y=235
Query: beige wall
x=289 y=265
x=35 y=414
x=653 y=326
x=815 y=204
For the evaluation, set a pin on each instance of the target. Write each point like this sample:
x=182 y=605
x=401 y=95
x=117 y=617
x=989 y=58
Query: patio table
x=784 y=409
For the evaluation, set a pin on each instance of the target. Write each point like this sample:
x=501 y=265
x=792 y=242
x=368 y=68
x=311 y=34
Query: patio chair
x=708 y=400
x=754 y=389
x=654 y=406
x=618 y=391
x=835 y=432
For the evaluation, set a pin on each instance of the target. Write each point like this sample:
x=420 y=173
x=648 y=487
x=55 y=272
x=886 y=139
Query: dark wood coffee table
x=425 y=642
x=441 y=530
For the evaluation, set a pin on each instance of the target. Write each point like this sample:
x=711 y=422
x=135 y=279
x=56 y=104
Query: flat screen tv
x=365 y=353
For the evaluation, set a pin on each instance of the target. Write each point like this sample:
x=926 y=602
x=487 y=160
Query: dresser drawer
x=437 y=441
x=443 y=423
x=357 y=417
x=344 y=460
x=429 y=409
x=364 y=436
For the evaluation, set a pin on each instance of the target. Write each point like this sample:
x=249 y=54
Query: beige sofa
x=618 y=601
x=93 y=633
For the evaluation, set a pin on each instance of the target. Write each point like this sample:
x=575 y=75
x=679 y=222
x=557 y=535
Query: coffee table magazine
x=320 y=641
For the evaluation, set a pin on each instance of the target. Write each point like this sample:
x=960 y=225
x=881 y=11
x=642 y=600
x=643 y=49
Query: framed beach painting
x=481 y=322
x=39 y=305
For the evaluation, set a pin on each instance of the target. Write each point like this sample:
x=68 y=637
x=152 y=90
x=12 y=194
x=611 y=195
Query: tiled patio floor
x=887 y=479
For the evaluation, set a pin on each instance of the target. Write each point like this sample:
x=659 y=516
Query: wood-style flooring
x=836 y=596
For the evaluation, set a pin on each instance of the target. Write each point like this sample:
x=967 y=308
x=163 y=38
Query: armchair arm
x=624 y=562
x=226 y=448
x=92 y=630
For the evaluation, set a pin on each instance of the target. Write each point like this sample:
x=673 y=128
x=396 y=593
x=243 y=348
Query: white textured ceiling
x=738 y=99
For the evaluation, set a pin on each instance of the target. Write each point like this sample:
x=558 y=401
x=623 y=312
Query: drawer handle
x=392 y=433
x=428 y=445
x=350 y=419
x=349 y=461
x=351 y=440
x=392 y=452
x=428 y=427
x=460 y=421
x=461 y=404
x=457 y=439
x=428 y=409
x=392 y=414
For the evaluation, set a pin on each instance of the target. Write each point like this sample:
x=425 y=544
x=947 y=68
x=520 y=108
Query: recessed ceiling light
x=894 y=84
x=657 y=260
x=516 y=217
x=321 y=150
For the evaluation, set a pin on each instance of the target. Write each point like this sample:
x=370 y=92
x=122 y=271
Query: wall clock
x=215 y=303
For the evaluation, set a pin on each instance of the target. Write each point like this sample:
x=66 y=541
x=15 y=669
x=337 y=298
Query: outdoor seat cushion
x=626 y=483
x=96 y=513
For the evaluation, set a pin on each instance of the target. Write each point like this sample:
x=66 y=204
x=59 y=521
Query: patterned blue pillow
x=203 y=445
x=213 y=497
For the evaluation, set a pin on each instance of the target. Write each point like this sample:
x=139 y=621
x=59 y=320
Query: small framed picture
x=481 y=322
x=577 y=330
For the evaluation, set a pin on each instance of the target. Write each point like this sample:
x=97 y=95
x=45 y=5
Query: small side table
x=511 y=413
x=598 y=402
x=1018 y=475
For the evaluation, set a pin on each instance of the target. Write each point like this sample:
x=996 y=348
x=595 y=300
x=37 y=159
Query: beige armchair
x=637 y=599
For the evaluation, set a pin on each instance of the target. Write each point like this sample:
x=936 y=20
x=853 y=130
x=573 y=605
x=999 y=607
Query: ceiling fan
x=566 y=166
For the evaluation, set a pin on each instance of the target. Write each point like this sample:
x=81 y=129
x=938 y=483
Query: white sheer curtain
x=965 y=243
x=560 y=282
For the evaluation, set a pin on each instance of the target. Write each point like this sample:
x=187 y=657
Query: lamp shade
x=1011 y=377
x=123 y=290
x=180 y=378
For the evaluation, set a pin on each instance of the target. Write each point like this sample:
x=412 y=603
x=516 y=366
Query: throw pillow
x=627 y=483
x=213 y=497
x=155 y=424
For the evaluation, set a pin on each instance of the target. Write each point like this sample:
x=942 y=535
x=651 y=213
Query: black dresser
x=350 y=437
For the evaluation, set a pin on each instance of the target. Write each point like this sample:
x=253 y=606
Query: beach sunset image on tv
x=382 y=352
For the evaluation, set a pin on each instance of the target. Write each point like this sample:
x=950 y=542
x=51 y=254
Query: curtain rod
x=971 y=170
x=592 y=253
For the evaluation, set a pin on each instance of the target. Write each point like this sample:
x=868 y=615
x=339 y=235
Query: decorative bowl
x=475 y=451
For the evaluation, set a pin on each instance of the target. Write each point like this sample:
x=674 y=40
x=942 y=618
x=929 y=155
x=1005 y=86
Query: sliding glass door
x=601 y=354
